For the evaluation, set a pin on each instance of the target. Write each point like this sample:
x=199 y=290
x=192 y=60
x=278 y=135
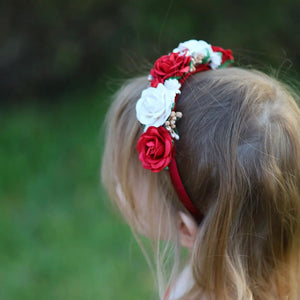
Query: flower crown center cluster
x=156 y=107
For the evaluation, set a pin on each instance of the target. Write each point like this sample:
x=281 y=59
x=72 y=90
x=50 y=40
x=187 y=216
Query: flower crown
x=156 y=107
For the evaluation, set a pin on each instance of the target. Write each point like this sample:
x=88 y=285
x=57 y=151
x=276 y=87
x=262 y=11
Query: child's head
x=238 y=157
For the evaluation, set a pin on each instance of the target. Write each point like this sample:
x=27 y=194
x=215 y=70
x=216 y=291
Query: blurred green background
x=60 y=62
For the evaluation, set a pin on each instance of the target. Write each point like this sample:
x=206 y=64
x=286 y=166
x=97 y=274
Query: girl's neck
x=183 y=284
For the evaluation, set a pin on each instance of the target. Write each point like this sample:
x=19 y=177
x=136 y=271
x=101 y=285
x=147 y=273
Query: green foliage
x=59 y=238
x=49 y=45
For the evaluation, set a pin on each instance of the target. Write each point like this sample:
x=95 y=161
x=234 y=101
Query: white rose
x=155 y=106
x=173 y=85
x=195 y=48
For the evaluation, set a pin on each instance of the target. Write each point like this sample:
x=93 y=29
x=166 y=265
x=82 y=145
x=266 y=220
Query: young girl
x=204 y=156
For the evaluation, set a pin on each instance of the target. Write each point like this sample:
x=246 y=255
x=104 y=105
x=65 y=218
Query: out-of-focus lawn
x=59 y=238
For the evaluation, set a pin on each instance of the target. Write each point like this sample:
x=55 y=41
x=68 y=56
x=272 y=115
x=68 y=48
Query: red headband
x=156 y=107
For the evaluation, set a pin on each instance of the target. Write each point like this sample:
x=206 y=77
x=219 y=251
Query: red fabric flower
x=226 y=54
x=172 y=65
x=155 y=148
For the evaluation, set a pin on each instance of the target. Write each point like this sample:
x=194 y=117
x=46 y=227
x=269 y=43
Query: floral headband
x=156 y=109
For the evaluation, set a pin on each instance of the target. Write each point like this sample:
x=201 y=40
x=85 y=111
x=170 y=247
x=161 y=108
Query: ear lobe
x=188 y=229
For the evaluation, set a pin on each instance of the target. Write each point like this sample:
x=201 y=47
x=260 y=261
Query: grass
x=59 y=238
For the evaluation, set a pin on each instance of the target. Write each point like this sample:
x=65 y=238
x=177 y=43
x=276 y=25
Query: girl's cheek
x=151 y=225
x=136 y=217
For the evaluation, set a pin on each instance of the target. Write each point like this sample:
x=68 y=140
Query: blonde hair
x=239 y=160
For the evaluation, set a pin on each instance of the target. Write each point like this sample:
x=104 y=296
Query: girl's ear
x=188 y=229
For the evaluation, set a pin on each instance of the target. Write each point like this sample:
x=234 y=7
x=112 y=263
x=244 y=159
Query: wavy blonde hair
x=239 y=159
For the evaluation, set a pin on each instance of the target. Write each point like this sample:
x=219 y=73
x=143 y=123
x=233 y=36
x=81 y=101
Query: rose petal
x=155 y=148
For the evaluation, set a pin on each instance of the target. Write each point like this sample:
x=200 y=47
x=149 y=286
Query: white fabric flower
x=155 y=105
x=216 y=60
x=194 y=48
x=173 y=85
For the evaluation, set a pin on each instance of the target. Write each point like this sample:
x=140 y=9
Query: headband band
x=156 y=109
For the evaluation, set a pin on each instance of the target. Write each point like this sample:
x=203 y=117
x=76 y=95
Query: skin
x=188 y=229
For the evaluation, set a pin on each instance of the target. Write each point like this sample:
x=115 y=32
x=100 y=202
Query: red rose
x=155 y=148
x=172 y=65
x=226 y=54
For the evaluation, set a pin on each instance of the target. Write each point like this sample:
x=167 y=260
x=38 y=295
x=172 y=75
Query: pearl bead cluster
x=170 y=124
